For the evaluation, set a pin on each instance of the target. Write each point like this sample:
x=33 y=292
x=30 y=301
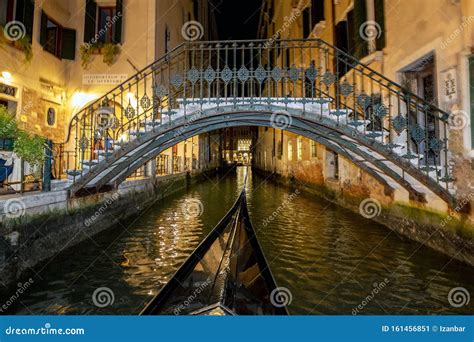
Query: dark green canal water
x=330 y=259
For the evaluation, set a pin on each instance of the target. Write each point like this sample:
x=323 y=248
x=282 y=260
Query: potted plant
x=108 y=50
x=23 y=44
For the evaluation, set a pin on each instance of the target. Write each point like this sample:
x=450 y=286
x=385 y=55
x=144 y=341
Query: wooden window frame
x=109 y=36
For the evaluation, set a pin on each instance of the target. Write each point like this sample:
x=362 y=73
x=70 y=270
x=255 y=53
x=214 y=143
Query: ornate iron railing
x=311 y=75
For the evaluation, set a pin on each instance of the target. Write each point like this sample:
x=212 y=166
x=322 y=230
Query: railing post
x=47 y=166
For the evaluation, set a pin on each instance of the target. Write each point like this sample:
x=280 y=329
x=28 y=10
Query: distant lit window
x=314 y=151
x=290 y=150
x=244 y=144
x=299 y=148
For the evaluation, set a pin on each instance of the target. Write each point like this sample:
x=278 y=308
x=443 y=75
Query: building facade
x=58 y=56
x=427 y=46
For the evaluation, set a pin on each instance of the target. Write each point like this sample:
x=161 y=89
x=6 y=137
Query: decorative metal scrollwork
x=260 y=74
x=399 y=124
x=346 y=88
x=364 y=100
x=311 y=73
x=436 y=145
x=226 y=74
x=129 y=112
x=329 y=78
x=83 y=143
x=176 y=80
x=380 y=110
x=417 y=133
x=293 y=73
x=209 y=74
x=160 y=91
x=243 y=74
x=277 y=74
x=193 y=75
x=145 y=102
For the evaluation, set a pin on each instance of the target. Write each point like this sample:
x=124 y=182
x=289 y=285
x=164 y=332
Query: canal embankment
x=37 y=226
x=450 y=232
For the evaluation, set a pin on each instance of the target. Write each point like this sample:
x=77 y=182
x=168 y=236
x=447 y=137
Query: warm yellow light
x=81 y=99
x=6 y=75
x=132 y=99
x=123 y=137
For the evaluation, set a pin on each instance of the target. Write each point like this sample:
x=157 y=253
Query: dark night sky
x=236 y=19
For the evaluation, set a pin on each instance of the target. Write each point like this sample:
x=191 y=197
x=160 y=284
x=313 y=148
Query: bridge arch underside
x=122 y=164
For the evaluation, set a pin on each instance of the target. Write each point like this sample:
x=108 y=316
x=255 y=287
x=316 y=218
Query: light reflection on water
x=328 y=257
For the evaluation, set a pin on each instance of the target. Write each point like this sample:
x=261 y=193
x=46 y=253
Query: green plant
x=86 y=55
x=110 y=51
x=24 y=44
x=8 y=127
x=29 y=147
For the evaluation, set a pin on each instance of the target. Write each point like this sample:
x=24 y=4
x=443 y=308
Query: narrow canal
x=329 y=258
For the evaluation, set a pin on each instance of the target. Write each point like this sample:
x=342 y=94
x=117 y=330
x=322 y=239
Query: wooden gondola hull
x=227 y=274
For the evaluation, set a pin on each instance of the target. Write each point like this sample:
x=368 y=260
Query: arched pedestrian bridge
x=307 y=87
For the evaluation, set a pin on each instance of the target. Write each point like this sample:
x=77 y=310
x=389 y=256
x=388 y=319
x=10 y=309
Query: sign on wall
x=103 y=79
x=7 y=90
x=450 y=86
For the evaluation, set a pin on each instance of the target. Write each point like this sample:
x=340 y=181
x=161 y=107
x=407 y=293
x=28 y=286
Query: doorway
x=420 y=79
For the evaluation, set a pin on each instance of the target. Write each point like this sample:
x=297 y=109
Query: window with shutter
x=306 y=23
x=380 y=20
x=19 y=10
x=103 y=24
x=317 y=11
x=360 y=17
x=57 y=40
